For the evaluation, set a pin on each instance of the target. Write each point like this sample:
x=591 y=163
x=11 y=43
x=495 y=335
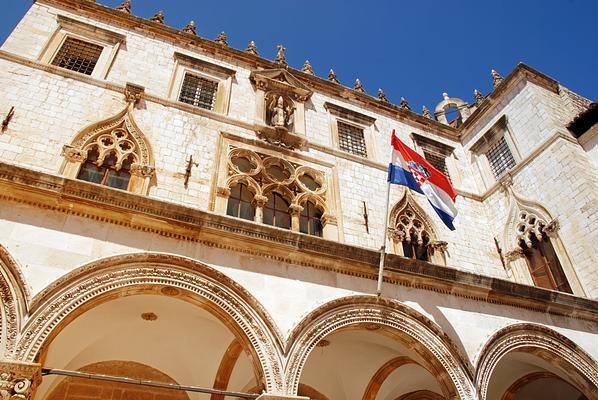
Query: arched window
x=106 y=171
x=310 y=220
x=544 y=265
x=276 y=212
x=413 y=247
x=239 y=202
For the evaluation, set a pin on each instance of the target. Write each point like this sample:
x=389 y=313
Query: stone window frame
x=425 y=145
x=501 y=129
x=70 y=28
x=185 y=64
x=344 y=115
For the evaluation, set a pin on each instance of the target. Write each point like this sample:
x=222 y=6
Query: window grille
x=438 y=162
x=351 y=139
x=77 y=55
x=198 y=91
x=500 y=157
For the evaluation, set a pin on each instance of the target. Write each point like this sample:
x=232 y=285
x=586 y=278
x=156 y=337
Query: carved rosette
x=143 y=171
x=18 y=380
x=73 y=154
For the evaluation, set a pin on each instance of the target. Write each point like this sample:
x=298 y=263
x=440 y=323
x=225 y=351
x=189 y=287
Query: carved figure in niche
x=280 y=114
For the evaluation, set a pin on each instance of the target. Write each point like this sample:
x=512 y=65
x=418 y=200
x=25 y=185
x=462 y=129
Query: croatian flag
x=410 y=169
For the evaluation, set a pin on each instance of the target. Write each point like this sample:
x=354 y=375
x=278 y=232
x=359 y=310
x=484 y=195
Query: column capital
x=329 y=219
x=514 y=254
x=142 y=170
x=18 y=379
x=259 y=201
x=295 y=209
x=74 y=154
x=223 y=192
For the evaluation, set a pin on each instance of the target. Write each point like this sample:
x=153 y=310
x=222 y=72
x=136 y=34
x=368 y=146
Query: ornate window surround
x=498 y=131
x=185 y=64
x=366 y=123
x=71 y=28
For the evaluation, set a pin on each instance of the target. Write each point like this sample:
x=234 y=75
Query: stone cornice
x=109 y=205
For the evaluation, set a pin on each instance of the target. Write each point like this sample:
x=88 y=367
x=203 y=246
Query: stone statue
x=125 y=7
x=158 y=17
x=332 y=76
x=279 y=115
x=405 y=104
x=382 y=96
x=222 y=39
x=307 y=68
x=252 y=48
x=426 y=112
x=280 y=57
x=496 y=78
x=190 y=28
x=358 y=86
x=479 y=97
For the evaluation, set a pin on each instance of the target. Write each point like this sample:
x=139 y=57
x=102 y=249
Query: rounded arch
x=314 y=198
x=15 y=296
x=423 y=335
x=247 y=180
x=137 y=273
x=450 y=102
x=542 y=342
x=281 y=189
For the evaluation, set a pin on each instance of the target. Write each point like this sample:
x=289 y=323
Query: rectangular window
x=438 y=162
x=198 y=91
x=77 y=55
x=351 y=139
x=500 y=157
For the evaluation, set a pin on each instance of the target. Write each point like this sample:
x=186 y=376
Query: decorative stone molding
x=259 y=201
x=496 y=78
x=295 y=210
x=424 y=336
x=438 y=245
x=514 y=254
x=328 y=219
x=542 y=342
x=407 y=220
x=552 y=228
x=18 y=380
x=82 y=288
x=144 y=171
x=133 y=93
x=74 y=155
x=223 y=192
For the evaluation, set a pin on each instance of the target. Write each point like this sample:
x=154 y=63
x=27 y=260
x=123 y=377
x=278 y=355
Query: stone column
x=295 y=210
x=74 y=158
x=437 y=249
x=222 y=195
x=140 y=178
x=330 y=227
x=258 y=203
x=18 y=380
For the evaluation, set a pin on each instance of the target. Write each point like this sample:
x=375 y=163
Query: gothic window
x=310 y=221
x=240 y=202
x=78 y=55
x=351 y=139
x=413 y=247
x=544 y=265
x=198 y=91
x=107 y=171
x=276 y=212
x=500 y=157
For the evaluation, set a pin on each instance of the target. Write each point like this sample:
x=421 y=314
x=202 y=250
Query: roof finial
x=496 y=78
x=382 y=96
x=479 y=97
x=125 y=7
x=158 y=17
x=307 y=68
x=358 y=86
x=445 y=96
x=426 y=112
x=280 y=57
x=251 y=48
x=190 y=28
x=222 y=39
x=405 y=104
x=332 y=76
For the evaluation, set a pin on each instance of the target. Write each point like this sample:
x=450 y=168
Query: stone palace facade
x=178 y=211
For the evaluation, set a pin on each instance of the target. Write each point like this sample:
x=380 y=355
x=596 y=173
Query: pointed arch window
x=310 y=220
x=544 y=265
x=107 y=171
x=240 y=202
x=276 y=212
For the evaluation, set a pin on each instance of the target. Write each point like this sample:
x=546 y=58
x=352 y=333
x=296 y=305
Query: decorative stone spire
x=222 y=39
x=405 y=104
x=307 y=68
x=358 y=86
x=382 y=96
x=479 y=97
x=426 y=112
x=158 y=17
x=251 y=48
x=125 y=7
x=332 y=76
x=496 y=78
x=190 y=28
x=280 y=57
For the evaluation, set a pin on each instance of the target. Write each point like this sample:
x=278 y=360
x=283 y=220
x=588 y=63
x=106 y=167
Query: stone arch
x=314 y=198
x=526 y=379
x=451 y=102
x=540 y=341
x=137 y=273
x=14 y=296
x=281 y=189
x=121 y=129
x=422 y=334
x=253 y=186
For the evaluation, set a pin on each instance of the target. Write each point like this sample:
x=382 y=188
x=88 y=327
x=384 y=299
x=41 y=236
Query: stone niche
x=280 y=107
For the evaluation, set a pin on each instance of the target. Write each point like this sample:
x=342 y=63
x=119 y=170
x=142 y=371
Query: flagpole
x=383 y=248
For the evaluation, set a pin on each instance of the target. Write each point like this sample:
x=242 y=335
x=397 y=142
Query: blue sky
x=412 y=49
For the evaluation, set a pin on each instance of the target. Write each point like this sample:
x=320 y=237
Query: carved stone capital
x=552 y=228
x=397 y=236
x=18 y=379
x=514 y=254
x=259 y=201
x=133 y=93
x=74 y=154
x=143 y=171
x=328 y=219
x=223 y=192
x=506 y=181
x=438 y=245
x=295 y=209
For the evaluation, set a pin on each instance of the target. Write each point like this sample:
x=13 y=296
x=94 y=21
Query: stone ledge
x=114 y=206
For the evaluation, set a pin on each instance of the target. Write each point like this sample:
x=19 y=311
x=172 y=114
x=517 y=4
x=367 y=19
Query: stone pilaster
x=74 y=157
